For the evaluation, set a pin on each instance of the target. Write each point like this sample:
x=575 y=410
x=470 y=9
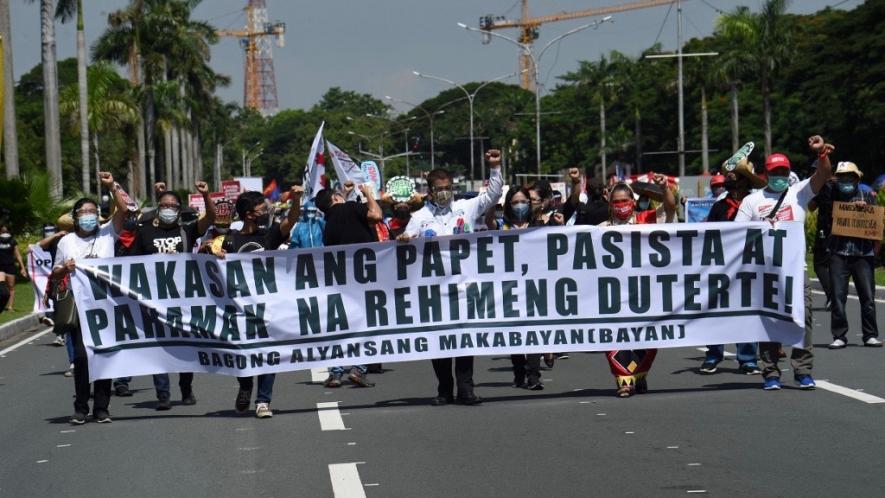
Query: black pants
x=860 y=269
x=821 y=263
x=102 y=397
x=4 y=296
x=442 y=367
x=526 y=365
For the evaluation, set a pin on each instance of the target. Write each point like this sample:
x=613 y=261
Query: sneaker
x=102 y=417
x=333 y=381
x=78 y=419
x=561 y=356
x=535 y=385
x=163 y=404
x=359 y=379
x=59 y=340
x=45 y=320
x=709 y=367
x=122 y=390
x=70 y=371
x=772 y=384
x=188 y=400
x=243 y=400
x=750 y=369
x=837 y=344
x=872 y=342
x=805 y=382
x=262 y=410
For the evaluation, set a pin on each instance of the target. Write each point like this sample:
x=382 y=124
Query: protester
x=166 y=234
x=442 y=215
x=850 y=257
x=737 y=183
x=631 y=367
x=212 y=240
x=258 y=234
x=517 y=215
x=89 y=240
x=821 y=248
x=308 y=232
x=781 y=202
x=594 y=210
x=717 y=186
x=9 y=256
x=349 y=222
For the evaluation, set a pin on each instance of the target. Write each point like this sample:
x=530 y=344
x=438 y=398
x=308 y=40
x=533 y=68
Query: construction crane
x=260 y=87
x=528 y=27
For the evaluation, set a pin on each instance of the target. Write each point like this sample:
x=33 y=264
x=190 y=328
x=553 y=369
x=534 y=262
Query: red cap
x=717 y=180
x=777 y=161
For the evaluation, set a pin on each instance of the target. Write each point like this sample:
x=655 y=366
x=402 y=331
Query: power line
x=717 y=9
x=663 y=24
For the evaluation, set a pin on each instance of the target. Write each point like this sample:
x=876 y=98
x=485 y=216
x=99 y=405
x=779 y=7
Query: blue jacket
x=308 y=233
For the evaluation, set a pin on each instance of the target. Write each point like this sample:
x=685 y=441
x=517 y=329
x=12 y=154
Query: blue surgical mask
x=88 y=222
x=778 y=183
x=520 y=212
x=846 y=187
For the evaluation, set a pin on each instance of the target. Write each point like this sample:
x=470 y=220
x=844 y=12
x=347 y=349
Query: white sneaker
x=59 y=340
x=70 y=371
x=837 y=344
x=872 y=342
x=262 y=410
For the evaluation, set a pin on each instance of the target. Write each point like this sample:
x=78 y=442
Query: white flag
x=316 y=166
x=345 y=168
x=40 y=266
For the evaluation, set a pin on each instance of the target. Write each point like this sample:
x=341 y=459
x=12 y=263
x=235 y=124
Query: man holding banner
x=442 y=215
x=781 y=202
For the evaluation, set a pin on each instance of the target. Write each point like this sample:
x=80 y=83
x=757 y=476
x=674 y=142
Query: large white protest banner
x=39 y=268
x=577 y=288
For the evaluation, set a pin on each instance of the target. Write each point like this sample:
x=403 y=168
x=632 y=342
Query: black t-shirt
x=157 y=239
x=348 y=223
x=590 y=213
x=724 y=210
x=7 y=250
x=263 y=239
x=824 y=200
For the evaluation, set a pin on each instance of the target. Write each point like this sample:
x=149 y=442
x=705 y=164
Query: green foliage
x=25 y=203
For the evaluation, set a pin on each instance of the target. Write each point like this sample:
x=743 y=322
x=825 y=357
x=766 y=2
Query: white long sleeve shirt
x=459 y=216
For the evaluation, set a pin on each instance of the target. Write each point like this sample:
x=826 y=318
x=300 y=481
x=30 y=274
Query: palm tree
x=732 y=66
x=50 y=99
x=65 y=12
x=10 y=136
x=766 y=38
x=111 y=105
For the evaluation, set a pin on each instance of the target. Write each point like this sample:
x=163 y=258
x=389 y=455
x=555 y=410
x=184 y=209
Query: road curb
x=17 y=326
x=880 y=290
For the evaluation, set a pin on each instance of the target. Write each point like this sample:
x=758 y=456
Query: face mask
x=443 y=197
x=520 y=212
x=643 y=204
x=622 y=210
x=311 y=215
x=168 y=216
x=88 y=222
x=846 y=188
x=778 y=183
x=222 y=230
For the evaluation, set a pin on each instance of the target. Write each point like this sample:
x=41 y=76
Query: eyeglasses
x=448 y=188
x=170 y=206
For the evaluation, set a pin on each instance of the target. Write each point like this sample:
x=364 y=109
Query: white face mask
x=168 y=216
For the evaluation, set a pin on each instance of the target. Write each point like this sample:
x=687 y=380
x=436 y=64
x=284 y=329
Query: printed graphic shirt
x=153 y=238
x=758 y=205
x=459 y=216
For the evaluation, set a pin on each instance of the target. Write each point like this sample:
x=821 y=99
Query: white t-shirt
x=756 y=206
x=98 y=245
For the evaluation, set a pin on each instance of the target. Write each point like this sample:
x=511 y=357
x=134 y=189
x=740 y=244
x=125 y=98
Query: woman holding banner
x=630 y=367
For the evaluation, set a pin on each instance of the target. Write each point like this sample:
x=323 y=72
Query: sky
x=372 y=46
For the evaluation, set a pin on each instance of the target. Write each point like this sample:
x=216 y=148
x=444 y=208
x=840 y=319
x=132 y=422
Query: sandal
x=625 y=391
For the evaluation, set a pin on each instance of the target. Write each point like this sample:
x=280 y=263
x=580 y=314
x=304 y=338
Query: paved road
x=717 y=435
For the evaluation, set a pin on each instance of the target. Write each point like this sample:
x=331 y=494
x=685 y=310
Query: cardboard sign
x=196 y=202
x=400 y=188
x=863 y=222
x=231 y=189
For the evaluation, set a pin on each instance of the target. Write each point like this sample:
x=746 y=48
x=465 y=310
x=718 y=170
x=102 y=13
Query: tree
x=10 y=135
x=65 y=12
x=767 y=39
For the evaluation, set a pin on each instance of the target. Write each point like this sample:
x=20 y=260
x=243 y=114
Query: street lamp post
x=527 y=50
x=247 y=164
x=430 y=116
x=470 y=99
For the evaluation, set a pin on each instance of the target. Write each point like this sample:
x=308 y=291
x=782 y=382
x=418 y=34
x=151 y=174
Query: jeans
x=442 y=367
x=339 y=371
x=801 y=359
x=102 y=396
x=265 y=386
x=860 y=269
x=746 y=353
x=69 y=345
x=185 y=383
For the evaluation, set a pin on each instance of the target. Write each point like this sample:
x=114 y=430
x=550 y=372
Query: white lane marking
x=351 y=444
x=24 y=341
x=42 y=461
x=67 y=431
x=672 y=447
x=371 y=484
x=850 y=296
x=696 y=491
x=724 y=353
x=346 y=480
x=583 y=402
x=694 y=465
x=629 y=432
x=250 y=448
x=62 y=445
x=318 y=375
x=330 y=417
x=851 y=393
x=600 y=414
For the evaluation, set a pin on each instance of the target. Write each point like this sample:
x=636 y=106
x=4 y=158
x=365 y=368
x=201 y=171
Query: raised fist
x=819 y=145
x=296 y=190
x=160 y=187
x=493 y=156
x=574 y=175
x=202 y=187
x=107 y=179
